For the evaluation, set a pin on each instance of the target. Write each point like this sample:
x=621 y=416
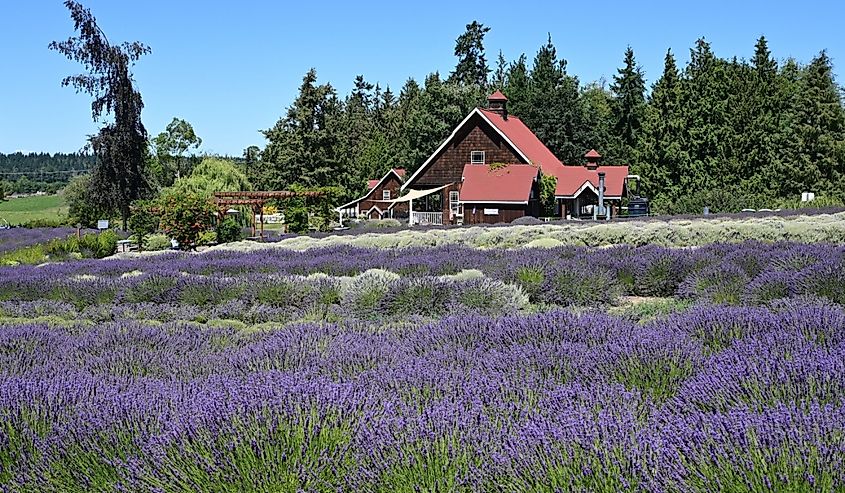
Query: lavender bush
x=444 y=369
x=546 y=402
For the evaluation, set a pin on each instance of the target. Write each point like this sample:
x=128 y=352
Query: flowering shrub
x=469 y=403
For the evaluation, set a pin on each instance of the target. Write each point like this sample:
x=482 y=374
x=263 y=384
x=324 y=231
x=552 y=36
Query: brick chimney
x=593 y=158
x=498 y=103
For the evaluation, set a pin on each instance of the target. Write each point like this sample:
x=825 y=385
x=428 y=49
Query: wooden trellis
x=257 y=200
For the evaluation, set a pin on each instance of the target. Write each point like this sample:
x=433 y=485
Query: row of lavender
x=17 y=238
x=725 y=398
x=750 y=272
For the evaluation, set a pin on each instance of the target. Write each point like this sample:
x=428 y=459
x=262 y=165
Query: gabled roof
x=497 y=96
x=571 y=180
x=524 y=140
x=592 y=153
x=484 y=115
x=372 y=184
x=498 y=184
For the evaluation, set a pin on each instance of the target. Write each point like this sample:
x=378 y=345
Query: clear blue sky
x=231 y=68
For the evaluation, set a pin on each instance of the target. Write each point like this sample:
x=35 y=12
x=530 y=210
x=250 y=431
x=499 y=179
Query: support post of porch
x=410 y=212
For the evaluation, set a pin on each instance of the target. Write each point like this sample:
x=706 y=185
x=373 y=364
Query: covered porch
x=425 y=207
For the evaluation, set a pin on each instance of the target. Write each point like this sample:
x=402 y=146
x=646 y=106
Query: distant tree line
x=34 y=172
x=726 y=133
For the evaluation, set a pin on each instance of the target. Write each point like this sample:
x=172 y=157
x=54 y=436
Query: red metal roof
x=497 y=96
x=372 y=184
x=570 y=179
x=511 y=183
x=524 y=140
x=399 y=171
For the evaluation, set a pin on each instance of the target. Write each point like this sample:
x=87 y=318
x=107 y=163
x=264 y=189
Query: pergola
x=224 y=200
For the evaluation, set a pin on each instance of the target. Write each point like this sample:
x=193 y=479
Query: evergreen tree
x=500 y=74
x=629 y=103
x=516 y=85
x=302 y=148
x=821 y=127
x=661 y=156
x=597 y=105
x=704 y=110
x=764 y=102
x=551 y=107
x=472 y=66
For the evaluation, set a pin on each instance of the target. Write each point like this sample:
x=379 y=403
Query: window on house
x=454 y=204
x=477 y=157
x=385 y=195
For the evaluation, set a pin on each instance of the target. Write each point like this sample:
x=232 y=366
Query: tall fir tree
x=628 y=104
x=550 y=106
x=501 y=72
x=821 y=127
x=472 y=66
x=303 y=146
x=766 y=104
x=662 y=156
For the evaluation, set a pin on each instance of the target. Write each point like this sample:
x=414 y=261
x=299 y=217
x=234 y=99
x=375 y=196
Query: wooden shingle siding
x=474 y=213
x=374 y=196
x=476 y=135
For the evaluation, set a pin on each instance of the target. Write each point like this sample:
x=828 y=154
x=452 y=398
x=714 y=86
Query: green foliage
x=185 y=216
x=144 y=220
x=472 y=66
x=170 y=147
x=82 y=208
x=303 y=145
x=90 y=245
x=548 y=183
x=530 y=279
x=207 y=238
x=629 y=105
x=2 y=190
x=43 y=172
x=156 y=242
x=213 y=175
x=753 y=132
x=228 y=231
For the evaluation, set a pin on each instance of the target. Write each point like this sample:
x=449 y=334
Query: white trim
x=387 y=191
x=370 y=191
x=494 y=202
x=472 y=158
x=592 y=187
x=510 y=143
x=380 y=212
x=349 y=205
x=606 y=197
x=452 y=136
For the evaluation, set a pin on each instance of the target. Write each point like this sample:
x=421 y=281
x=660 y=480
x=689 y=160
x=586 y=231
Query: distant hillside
x=32 y=172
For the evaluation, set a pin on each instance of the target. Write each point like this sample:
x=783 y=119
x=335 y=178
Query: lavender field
x=719 y=368
x=13 y=239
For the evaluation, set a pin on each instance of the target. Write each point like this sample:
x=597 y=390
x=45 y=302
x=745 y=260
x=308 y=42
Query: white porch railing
x=427 y=218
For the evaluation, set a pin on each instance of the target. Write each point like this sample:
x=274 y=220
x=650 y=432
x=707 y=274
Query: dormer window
x=385 y=195
x=476 y=157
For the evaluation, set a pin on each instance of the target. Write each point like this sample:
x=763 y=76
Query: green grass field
x=23 y=209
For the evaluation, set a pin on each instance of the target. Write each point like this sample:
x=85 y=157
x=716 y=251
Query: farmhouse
x=488 y=170
x=379 y=201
